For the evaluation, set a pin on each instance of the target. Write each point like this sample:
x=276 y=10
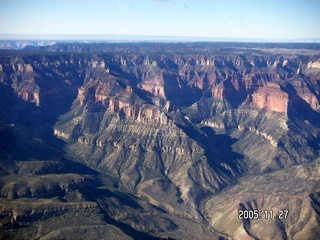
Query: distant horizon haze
x=140 y=38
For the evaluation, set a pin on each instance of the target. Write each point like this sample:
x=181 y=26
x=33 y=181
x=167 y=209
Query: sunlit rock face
x=171 y=125
x=271 y=98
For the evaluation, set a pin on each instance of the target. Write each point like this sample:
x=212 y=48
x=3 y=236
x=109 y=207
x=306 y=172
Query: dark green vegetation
x=159 y=141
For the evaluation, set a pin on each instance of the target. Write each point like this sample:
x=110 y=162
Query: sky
x=221 y=19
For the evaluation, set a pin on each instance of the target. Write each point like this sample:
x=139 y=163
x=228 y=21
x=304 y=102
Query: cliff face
x=171 y=127
x=271 y=98
x=23 y=81
x=132 y=134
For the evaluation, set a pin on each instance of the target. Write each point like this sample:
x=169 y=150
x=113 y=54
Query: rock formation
x=271 y=98
x=159 y=132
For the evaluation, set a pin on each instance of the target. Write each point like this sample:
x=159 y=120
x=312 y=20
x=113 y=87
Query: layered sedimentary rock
x=24 y=82
x=270 y=195
x=170 y=126
x=113 y=121
x=270 y=97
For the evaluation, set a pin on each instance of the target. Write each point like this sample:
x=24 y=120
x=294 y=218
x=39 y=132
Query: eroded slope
x=164 y=128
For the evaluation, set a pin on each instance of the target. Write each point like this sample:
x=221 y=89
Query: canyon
x=160 y=140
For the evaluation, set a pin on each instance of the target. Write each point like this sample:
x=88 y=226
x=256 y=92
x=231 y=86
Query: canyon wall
x=173 y=126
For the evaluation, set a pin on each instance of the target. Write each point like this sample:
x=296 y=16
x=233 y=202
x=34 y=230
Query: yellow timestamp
x=266 y=214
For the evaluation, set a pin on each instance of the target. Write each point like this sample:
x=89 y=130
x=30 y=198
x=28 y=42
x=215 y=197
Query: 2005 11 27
x=266 y=214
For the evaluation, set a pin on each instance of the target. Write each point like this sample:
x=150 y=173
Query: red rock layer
x=271 y=97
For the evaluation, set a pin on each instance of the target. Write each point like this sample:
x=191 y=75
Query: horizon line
x=139 y=38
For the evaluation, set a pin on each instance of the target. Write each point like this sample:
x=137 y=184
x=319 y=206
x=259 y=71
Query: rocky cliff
x=169 y=124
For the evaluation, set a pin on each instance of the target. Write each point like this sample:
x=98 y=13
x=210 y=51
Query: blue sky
x=248 y=19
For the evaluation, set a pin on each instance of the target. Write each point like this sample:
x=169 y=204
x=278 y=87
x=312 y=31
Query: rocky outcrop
x=40 y=167
x=41 y=187
x=269 y=195
x=39 y=80
x=23 y=81
x=306 y=91
x=271 y=97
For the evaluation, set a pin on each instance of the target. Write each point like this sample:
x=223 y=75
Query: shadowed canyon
x=160 y=141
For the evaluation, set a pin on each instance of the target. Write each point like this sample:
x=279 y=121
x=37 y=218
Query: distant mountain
x=20 y=44
x=22 y=41
x=160 y=141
